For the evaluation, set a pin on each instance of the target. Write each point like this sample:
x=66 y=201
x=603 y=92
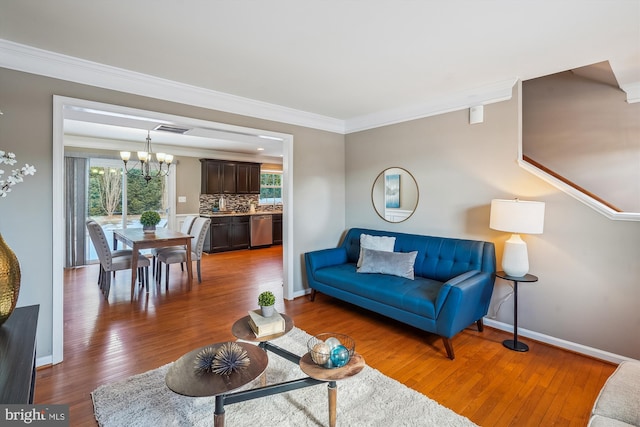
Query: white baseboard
x=301 y=293
x=557 y=342
x=44 y=361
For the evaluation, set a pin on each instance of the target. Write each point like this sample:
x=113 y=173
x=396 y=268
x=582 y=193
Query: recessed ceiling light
x=260 y=149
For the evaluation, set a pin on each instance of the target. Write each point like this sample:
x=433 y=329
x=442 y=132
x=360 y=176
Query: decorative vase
x=149 y=228
x=267 y=310
x=9 y=281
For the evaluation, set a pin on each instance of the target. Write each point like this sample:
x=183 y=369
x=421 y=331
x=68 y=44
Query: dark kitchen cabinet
x=210 y=177
x=226 y=177
x=239 y=234
x=248 y=178
x=218 y=235
x=277 y=228
x=227 y=233
x=229 y=171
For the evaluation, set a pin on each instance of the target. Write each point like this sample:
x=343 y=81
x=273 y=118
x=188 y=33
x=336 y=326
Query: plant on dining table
x=16 y=174
x=149 y=218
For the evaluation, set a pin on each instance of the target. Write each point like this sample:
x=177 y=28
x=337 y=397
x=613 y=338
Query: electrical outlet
x=182 y=199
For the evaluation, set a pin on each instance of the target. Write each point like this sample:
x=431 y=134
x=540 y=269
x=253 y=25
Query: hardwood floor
x=105 y=341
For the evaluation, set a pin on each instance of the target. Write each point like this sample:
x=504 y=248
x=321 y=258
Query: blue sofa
x=451 y=290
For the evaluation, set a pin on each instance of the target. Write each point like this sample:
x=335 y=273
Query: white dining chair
x=187 y=224
x=199 y=232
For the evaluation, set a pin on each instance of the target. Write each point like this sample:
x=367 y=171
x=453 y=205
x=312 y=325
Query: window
x=271 y=188
x=116 y=199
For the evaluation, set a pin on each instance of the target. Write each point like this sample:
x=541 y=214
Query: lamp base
x=515 y=345
x=515 y=259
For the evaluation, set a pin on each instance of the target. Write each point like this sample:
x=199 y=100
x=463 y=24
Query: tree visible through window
x=105 y=191
x=271 y=188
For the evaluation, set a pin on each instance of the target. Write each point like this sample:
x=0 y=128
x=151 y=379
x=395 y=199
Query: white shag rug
x=366 y=399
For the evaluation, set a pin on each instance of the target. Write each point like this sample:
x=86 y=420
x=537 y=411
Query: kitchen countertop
x=235 y=213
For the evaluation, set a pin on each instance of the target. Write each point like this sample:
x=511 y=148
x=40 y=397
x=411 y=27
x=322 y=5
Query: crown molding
x=32 y=60
x=45 y=63
x=633 y=92
x=496 y=92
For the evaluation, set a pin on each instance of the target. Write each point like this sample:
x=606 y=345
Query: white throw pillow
x=377 y=243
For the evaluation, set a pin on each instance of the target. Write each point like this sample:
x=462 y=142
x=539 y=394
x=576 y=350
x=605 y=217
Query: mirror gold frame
x=395 y=194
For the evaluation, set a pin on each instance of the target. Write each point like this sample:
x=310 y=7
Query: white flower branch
x=16 y=174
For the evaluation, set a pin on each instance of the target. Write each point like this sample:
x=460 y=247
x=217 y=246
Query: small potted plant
x=149 y=220
x=266 y=300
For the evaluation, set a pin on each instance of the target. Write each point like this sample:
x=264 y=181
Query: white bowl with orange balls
x=331 y=350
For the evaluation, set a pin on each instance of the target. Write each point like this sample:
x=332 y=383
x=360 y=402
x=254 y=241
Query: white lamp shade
x=517 y=216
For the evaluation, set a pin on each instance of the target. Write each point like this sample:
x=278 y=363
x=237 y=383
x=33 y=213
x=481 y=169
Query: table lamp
x=517 y=217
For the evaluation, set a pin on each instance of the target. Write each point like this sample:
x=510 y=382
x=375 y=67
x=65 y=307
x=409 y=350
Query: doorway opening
x=71 y=108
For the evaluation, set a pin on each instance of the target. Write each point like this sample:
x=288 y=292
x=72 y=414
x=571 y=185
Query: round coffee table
x=183 y=379
x=355 y=365
x=242 y=330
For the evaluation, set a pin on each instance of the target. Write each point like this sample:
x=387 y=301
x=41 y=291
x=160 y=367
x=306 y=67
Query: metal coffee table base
x=182 y=379
x=357 y=363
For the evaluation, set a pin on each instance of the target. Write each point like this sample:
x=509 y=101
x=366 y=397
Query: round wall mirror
x=395 y=194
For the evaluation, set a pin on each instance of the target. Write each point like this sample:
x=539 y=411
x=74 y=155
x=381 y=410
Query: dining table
x=137 y=239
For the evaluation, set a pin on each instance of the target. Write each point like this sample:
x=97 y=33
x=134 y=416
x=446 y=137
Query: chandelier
x=146 y=160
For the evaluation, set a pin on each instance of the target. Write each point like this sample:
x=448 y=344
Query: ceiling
x=342 y=60
x=113 y=127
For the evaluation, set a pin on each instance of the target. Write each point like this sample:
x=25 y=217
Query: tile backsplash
x=235 y=202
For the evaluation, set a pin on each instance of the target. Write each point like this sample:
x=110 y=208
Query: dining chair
x=187 y=224
x=114 y=253
x=110 y=263
x=199 y=232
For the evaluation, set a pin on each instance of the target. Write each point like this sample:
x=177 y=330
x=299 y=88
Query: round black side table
x=514 y=344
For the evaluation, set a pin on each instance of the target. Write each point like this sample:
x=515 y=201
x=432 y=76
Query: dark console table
x=18 y=356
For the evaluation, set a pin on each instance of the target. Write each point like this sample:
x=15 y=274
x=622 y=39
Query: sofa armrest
x=324 y=258
x=462 y=301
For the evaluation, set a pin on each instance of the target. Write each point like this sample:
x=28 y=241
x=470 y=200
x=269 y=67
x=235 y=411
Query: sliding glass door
x=117 y=199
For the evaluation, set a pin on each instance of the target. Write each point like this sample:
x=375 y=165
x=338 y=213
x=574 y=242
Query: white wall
x=589 y=287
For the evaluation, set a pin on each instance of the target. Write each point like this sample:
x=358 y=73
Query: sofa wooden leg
x=449 y=347
x=312 y=295
x=480 y=324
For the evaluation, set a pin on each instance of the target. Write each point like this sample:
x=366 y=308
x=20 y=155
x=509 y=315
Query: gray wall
x=588 y=292
x=188 y=185
x=26 y=214
x=585 y=131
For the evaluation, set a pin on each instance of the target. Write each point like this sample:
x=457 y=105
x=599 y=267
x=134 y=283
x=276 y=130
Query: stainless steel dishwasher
x=261 y=230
